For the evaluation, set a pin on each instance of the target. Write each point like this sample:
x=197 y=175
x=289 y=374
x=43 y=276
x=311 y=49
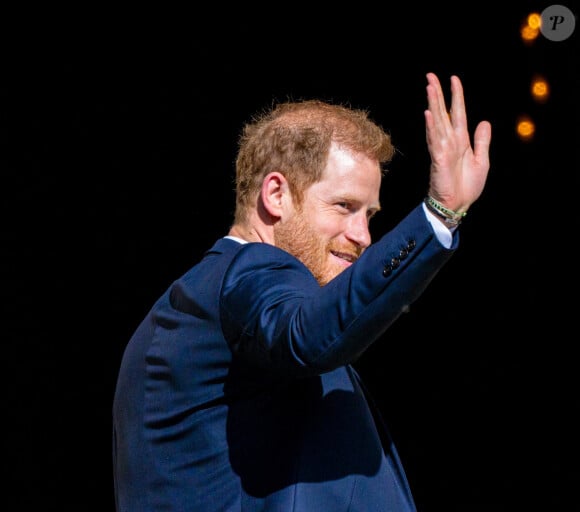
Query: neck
x=252 y=233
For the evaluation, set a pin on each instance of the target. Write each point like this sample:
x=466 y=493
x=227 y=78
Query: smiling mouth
x=351 y=258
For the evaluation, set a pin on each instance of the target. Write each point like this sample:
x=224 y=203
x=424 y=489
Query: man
x=236 y=392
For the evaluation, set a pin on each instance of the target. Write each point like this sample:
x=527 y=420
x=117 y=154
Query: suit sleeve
x=275 y=315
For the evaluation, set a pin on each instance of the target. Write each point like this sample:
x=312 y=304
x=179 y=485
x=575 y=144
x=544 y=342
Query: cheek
x=329 y=227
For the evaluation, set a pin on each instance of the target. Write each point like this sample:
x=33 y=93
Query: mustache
x=352 y=251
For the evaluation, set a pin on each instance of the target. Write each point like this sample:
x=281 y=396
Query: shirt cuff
x=443 y=233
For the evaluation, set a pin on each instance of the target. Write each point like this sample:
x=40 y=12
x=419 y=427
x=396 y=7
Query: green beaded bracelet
x=448 y=216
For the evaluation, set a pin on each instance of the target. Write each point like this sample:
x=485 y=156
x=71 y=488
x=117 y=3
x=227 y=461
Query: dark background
x=117 y=158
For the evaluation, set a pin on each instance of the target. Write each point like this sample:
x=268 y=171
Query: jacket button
x=387 y=271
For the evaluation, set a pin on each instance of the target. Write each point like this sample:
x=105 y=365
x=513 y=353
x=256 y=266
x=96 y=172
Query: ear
x=275 y=192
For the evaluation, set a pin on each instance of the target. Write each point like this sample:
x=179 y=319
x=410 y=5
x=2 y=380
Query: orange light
x=525 y=128
x=534 y=20
x=530 y=28
x=540 y=89
x=529 y=34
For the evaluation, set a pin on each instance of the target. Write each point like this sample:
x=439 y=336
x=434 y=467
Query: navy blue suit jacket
x=236 y=392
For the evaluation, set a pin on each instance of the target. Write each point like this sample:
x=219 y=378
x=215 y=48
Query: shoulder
x=258 y=257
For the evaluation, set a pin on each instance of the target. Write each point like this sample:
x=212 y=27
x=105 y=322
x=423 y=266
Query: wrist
x=449 y=217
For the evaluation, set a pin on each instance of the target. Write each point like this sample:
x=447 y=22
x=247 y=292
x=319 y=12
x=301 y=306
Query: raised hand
x=458 y=172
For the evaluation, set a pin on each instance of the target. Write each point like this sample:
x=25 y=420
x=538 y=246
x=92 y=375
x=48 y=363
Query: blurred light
x=535 y=20
x=529 y=34
x=530 y=29
x=525 y=128
x=540 y=89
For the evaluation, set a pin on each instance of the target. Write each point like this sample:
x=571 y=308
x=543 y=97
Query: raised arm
x=458 y=170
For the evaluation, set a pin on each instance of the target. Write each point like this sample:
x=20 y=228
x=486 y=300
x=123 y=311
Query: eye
x=344 y=205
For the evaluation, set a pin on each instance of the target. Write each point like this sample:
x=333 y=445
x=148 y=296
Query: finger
x=436 y=99
x=458 y=115
x=481 y=142
x=430 y=127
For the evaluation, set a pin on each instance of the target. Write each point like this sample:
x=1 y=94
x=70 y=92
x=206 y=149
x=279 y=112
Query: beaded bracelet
x=449 y=216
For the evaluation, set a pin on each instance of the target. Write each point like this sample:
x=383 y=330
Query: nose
x=358 y=230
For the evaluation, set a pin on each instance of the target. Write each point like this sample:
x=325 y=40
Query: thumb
x=481 y=141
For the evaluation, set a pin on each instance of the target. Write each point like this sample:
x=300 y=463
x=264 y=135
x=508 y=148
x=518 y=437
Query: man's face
x=331 y=230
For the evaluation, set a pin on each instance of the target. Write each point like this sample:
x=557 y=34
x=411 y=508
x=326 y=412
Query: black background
x=117 y=159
